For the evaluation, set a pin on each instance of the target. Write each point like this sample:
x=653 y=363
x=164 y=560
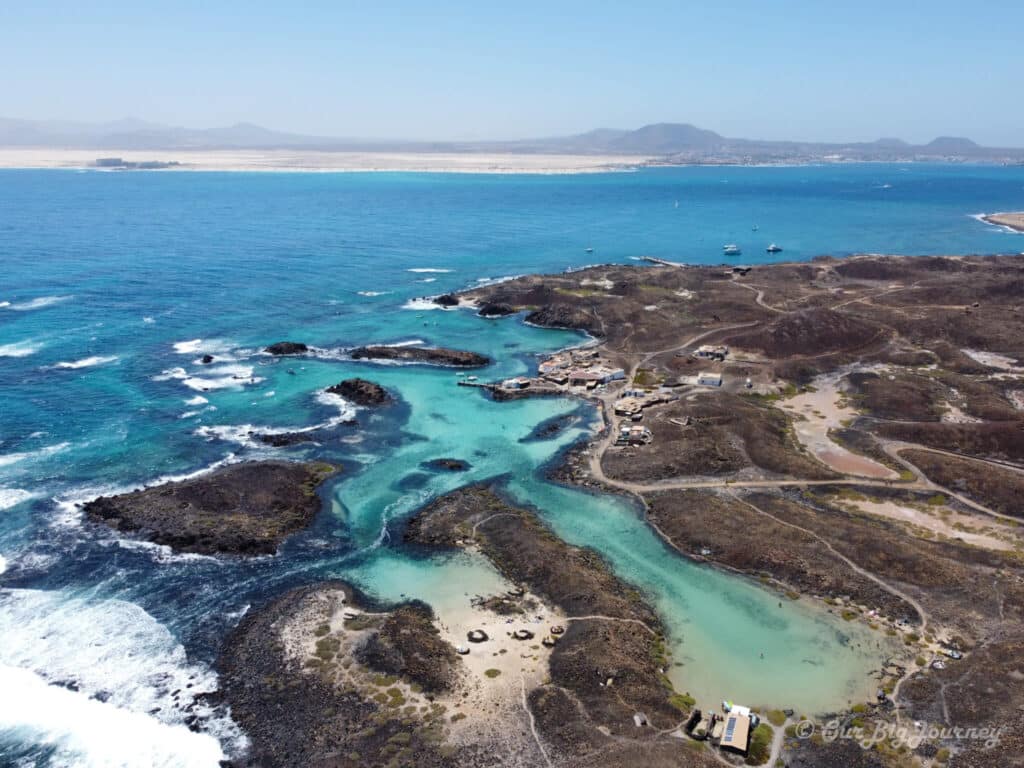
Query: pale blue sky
x=474 y=70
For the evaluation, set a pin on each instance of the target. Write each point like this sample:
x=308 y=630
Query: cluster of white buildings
x=579 y=368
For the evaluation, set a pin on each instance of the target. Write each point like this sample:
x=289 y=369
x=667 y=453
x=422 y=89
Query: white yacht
x=773 y=248
x=731 y=250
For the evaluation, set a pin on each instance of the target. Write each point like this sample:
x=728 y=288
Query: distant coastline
x=300 y=160
x=1014 y=221
x=309 y=161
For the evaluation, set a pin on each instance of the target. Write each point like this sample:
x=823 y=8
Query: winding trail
x=922 y=614
x=533 y=724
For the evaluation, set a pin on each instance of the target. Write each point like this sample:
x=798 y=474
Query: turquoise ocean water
x=113 y=284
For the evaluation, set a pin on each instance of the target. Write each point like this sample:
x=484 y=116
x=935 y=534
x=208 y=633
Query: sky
x=779 y=69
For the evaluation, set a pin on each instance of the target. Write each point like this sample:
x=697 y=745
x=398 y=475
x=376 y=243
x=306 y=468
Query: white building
x=706 y=379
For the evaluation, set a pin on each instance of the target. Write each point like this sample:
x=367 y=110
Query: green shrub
x=682 y=701
x=760 y=745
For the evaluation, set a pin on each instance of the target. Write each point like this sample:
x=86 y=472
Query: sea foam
x=422 y=270
x=42 y=453
x=40 y=303
x=19 y=349
x=105 y=681
x=87 y=362
x=12 y=497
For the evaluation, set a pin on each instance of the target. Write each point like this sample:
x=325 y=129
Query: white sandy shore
x=307 y=160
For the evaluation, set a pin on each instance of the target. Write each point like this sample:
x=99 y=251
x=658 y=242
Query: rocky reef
x=287 y=348
x=362 y=392
x=245 y=509
x=415 y=354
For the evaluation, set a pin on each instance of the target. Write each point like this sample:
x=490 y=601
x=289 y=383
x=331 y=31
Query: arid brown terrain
x=865 y=449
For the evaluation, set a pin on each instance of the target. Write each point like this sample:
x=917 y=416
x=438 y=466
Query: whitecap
x=485 y=281
x=12 y=497
x=40 y=303
x=171 y=373
x=197 y=400
x=427 y=280
x=246 y=434
x=4 y=304
x=346 y=411
x=87 y=362
x=427 y=269
x=421 y=305
x=14 y=458
x=271 y=393
x=123 y=664
x=19 y=349
x=3 y=564
x=148 y=320
x=371 y=294
x=222 y=377
x=408 y=343
x=205 y=346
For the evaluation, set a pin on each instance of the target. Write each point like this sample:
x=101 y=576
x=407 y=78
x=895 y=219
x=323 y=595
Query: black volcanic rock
x=431 y=355
x=287 y=348
x=284 y=439
x=449 y=465
x=206 y=359
x=495 y=309
x=246 y=509
x=562 y=316
x=447 y=300
x=361 y=392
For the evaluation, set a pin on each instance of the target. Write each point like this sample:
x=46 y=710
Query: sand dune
x=308 y=160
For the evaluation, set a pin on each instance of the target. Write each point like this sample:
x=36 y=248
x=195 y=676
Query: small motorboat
x=773 y=248
x=731 y=250
x=589 y=250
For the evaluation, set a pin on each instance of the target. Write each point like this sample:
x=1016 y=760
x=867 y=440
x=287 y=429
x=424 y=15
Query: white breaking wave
x=19 y=349
x=205 y=346
x=12 y=497
x=122 y=665
x=42 y=301
x=427 y=280
x=373 y=293
x=148 y=320
x=246 y=434
x=14 y=458
x=197 y=400
x=409 y=343
x=4 y=304
x=222 y=377
x=171 y=373
x=3 y=564
x=87 y=362
x=86 y=732
x=427 y=269
x=421 y=305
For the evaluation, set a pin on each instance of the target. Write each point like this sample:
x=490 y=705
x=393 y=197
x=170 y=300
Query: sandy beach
x=300 y=160
x=1014 y=221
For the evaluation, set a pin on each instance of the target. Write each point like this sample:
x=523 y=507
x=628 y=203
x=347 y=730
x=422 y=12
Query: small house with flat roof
x=736 y=734
x=706 y=379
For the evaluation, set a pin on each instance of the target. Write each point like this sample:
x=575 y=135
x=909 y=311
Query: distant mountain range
x=671 y=142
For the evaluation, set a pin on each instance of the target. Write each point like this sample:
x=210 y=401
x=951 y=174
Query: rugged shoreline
x=245 y=509
x=818 y=536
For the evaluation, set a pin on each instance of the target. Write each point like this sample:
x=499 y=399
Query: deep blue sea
x=114 y=284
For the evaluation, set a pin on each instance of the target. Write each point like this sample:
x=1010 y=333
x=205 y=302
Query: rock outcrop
x=245 y=509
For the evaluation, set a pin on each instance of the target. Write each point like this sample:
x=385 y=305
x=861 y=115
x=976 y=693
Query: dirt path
x=759 y=297
x=922 y=614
